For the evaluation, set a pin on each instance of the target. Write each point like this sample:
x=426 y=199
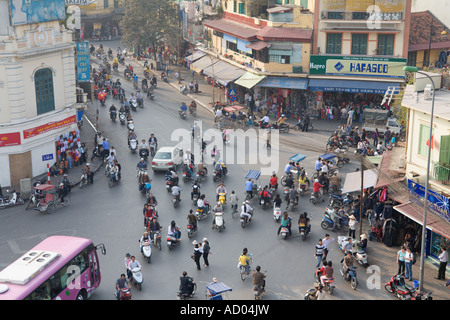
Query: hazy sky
x=440 y=8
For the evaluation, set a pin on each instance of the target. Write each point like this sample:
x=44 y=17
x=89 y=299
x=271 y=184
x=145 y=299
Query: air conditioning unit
x=427 y=92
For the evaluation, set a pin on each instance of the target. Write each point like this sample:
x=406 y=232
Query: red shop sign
x=9 y=139
x=29 y=133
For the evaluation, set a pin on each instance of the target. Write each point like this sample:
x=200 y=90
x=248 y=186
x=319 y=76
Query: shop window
x=436 y=242
x=232 y=46
x=274 y=58
x=359 y=43
x=334 y=43
x=234 y=6
x=285 y=59
x=43 y=83
x=385 y=44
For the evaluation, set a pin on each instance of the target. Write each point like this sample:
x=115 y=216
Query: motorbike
x=140 y=103
x=245 y=220
x=358 y=253
x=195 y=198
x=327 y=282
x=146 y=250
x=157 y=239
x=218 y=175
x=276 y=213
x=143 y=153
x=184 y=89
x=186 y=175
x=11 y=201
x=200 y=175
x=133 y=145
x=137 y=277
x=282 y=127
x=311 y=293
x=286 y=193
x=284 y=232
x=84 y=178
x=185 y=295
x=316 y=197
x=350 y=276
x=172 y=242
x=302 y=190
x=258 y=291
x=222 y=198
x=164 y=78
x=152 y=149
x=218 y=221
x=190 y=230
x=292 y=204
x=150 y=95
x=122 y=117
x=327 y=221
x=176 y=201
x=124 y=294
x=202 y=213
x=112 y=179
x=341 y=200
x=96 y=153
x=401 y=290
x=144 y=88
x=303 y=230
x=130 y=125
x=133 y=105
x=182 y=114
x=113 y=115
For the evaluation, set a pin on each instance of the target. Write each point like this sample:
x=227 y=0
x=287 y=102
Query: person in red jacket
x=264 y=195
x=317 y=186
x=274 y=181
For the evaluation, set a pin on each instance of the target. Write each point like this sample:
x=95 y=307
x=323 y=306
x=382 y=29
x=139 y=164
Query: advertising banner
x=36 y=11
x=437 y=203
x=83 y=62
x=9 y=139
x=357 y=66
x=29 y=133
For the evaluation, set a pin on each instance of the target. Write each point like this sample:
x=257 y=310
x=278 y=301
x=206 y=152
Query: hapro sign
x=357 y=66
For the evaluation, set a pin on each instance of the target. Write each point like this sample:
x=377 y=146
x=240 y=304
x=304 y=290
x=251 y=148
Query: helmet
x=317 y=180
x=219 y=203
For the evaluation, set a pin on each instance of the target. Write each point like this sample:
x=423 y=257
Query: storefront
x=359 y=82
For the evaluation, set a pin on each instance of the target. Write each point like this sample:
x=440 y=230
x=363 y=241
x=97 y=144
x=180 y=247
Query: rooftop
x=419 y=37
x=416 y=101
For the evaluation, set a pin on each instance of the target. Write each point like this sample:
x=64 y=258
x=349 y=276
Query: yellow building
x=101 y=19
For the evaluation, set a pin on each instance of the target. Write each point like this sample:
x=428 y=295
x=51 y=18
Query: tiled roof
x=420 y=29
x=284 y=34
x=232 y=28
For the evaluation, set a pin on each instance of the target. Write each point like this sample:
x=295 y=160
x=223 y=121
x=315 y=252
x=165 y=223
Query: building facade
x=37 y=89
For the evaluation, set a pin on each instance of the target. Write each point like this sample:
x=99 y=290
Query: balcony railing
x=360 y=15
x=441 y=174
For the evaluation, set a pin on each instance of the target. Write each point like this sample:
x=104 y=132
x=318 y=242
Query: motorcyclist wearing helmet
x=264 y=195
x=221 y=189
x=195 y=190
x=246 y=210
x=142 y=164
x=316 y=187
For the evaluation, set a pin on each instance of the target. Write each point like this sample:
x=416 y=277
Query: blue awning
x=352 y=86
x=284 y=83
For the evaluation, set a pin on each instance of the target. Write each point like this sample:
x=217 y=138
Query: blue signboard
x=232 y=92
x=83 y=61
x=437 y=203
x=47 y=157
x=36 y=11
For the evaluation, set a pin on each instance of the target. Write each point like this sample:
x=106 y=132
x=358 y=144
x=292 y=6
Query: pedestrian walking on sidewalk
x=443 y=259
x=401 y=260
x=409 y=257
x=196 y=87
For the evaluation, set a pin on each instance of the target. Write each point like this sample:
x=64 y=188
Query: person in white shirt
x=133 y=263
x=265 y=121
x=326 y=242
x=246 y=210
x=443 y=259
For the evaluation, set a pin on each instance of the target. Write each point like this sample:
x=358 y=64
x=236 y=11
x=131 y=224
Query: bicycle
x=242 y=269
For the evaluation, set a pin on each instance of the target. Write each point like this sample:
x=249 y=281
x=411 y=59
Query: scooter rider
x=153 y=227
x=293 y=195
x=258 y=278
x=134 y=263
x=221 y=189
x=120 y=284
x=142 y=164
x=316 y=187
x=195 y=190
x=289 y=181
x=145 y=237
x=186 y=284
x=183 y=107
x=249 y=185
x=274 y=181
x=246 y=210
x=348 y=262
x=304 y=220
x=265 y=195
x=173 y=230
x=217 y=208
x=176 y=192
x=153 y=141
x=131 y=136
x=192 y=219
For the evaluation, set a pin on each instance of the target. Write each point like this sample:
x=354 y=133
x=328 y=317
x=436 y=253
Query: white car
x=167 y=158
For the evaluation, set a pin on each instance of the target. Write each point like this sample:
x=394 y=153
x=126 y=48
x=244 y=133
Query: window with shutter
x=444 y=151
x=45 y=99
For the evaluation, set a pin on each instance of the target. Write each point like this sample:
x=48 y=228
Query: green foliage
x=150 y=22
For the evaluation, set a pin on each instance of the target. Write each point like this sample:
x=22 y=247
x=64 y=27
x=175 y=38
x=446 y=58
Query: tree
x=149 y=22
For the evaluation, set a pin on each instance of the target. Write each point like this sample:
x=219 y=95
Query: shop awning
x=228 y=75
x=352 y=181
x=195 y=56
x=203 y=63
x=249 y=80
x=284 y=83
x=415 y=213
x=258 y=45
x=352 y=86
x=223 y=72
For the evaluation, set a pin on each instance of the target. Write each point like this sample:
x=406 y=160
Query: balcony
x=441 y=174
x=360 y=15
x=361 y=20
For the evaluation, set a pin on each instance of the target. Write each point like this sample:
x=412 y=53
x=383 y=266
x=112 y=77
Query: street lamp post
x=425 y=205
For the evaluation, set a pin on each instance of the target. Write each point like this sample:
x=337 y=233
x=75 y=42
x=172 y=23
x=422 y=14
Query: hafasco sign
x=357 y=66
